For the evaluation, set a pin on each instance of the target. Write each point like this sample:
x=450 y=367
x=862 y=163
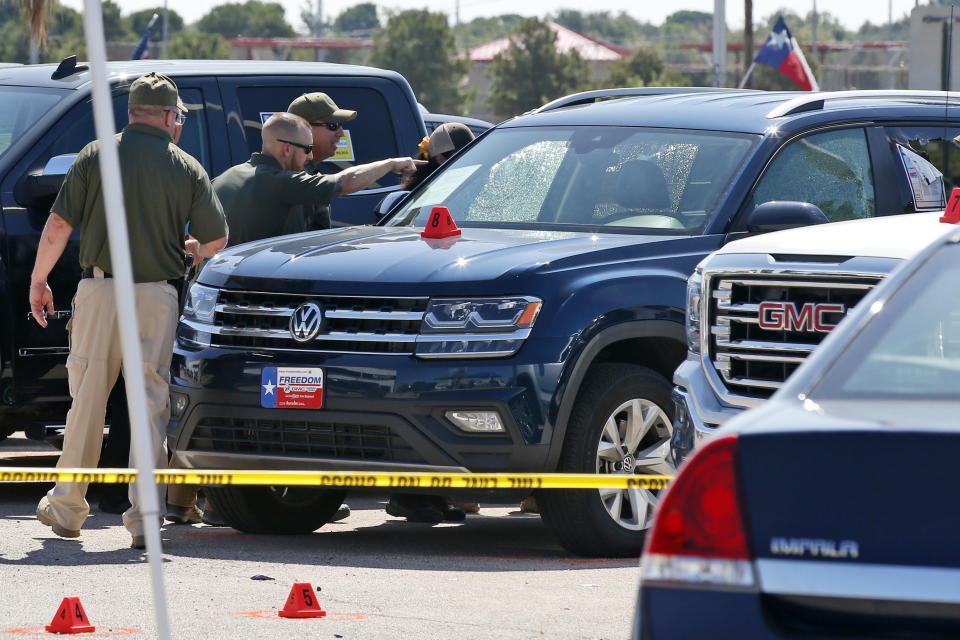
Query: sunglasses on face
x=307 y=148
x=333 y=126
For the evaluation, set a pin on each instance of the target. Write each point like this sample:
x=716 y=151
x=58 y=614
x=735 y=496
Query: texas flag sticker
x=291 y=388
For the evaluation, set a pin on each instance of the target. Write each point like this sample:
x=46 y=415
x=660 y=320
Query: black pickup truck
x=46 y=117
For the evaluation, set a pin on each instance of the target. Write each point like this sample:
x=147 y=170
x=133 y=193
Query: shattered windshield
x=614 y=178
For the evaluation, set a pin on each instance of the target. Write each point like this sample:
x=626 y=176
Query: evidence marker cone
x=70 y=618
x=440 y=224
x=302 y=603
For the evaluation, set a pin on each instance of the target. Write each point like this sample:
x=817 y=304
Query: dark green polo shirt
x=316 y=216
x=164 y=189
x=260 y=199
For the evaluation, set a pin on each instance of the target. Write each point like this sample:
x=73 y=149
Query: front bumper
x=380 y=412
x=699 y=411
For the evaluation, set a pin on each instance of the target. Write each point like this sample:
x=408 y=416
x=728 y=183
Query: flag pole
x=746 y=76
x=119 y=242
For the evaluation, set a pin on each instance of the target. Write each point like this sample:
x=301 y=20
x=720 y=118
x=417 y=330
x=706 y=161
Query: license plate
x=291 y=387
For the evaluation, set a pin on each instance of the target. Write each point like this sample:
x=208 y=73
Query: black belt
x=88 y=273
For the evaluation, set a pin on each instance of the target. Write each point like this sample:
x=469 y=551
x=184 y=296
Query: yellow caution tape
x=346 y=479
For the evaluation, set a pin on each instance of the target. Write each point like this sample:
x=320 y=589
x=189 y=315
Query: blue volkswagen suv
x=544 y=336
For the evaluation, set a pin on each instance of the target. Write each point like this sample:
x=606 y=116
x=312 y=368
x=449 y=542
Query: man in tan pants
x=164 y=190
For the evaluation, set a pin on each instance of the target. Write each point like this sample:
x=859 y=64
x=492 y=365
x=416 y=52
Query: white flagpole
x=123 y=286
x=746 y=76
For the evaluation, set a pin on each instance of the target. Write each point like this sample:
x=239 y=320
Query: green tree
x=251 y=19
x=199 y=46
x=360 y=17
x=532 y=72
x=420 y=46
x=639 y=70
x=620 y=29
x=114 y=26
x=139 y=20
x=64 y=26
x=483 y=30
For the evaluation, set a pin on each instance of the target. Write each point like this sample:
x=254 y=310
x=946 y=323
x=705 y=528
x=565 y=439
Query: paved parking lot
x=498 y=575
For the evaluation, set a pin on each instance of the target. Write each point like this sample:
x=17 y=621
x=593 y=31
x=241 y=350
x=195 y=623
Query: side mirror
x=778 y=215
x=389 y=202
x=47 y=184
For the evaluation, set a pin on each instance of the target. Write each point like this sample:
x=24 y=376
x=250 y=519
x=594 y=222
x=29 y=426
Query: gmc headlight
x=476 y=327
x=694 y=292
x=201 y=303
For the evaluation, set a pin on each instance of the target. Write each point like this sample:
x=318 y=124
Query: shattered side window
x=830 y=170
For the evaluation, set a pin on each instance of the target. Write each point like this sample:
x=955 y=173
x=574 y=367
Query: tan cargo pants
x=92 y=368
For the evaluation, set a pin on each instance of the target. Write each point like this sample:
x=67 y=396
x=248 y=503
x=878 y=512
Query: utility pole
x=747 y=37
x=318 y=20
x=719 y=43
x=163 y=47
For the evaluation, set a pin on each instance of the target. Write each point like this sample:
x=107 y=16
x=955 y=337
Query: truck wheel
x=275 y=509
x=621 y=424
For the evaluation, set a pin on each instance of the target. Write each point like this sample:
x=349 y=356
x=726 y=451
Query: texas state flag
x=781 y=51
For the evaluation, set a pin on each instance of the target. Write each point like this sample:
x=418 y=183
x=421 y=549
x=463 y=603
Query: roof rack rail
x=587 y=97
x=815 y=101
x=67 y=67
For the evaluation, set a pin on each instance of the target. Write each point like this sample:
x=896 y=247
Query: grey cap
x=448 y=137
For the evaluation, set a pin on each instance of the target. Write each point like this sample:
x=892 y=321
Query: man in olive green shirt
x=164 y=190
x=260 y=196
x=326 y=121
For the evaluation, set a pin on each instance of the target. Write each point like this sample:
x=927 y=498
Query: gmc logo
x=783 y=316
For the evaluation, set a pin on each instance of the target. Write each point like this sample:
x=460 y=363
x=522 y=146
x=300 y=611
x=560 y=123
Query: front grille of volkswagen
x=355 y=324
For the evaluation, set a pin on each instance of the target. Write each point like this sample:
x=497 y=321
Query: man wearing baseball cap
x=164 y=190
x=326 y=124
x=265 y=196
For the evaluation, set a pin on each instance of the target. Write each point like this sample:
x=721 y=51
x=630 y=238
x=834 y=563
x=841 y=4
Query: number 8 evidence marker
x=440 y=224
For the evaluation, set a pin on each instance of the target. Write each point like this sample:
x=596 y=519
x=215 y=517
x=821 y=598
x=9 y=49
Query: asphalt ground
x=500 y=574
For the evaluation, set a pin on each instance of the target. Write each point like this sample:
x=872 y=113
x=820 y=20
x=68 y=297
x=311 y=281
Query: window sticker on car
x=926 y=182
x=291 y=388
x=344 y=148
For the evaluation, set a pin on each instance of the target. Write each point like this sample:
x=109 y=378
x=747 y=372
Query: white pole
x=719 y=43
x=746 y=76
x=127 y=321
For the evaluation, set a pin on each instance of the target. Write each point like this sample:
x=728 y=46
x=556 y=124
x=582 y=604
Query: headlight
x=490 y=314
x=201 y=303
x=478 y=327
x=694 y=291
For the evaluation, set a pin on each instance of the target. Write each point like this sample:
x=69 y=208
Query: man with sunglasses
x=326 y=124
x=261 y=197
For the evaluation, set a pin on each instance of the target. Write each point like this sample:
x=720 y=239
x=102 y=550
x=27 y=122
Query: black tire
x=283 y=510
x=579 y=518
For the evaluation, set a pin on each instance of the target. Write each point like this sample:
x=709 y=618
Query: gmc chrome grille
x=752 y=359
x=299 y=438
x=247 y=319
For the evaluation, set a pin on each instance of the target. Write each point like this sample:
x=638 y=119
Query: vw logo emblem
x=628 y=464
x=306 y=321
